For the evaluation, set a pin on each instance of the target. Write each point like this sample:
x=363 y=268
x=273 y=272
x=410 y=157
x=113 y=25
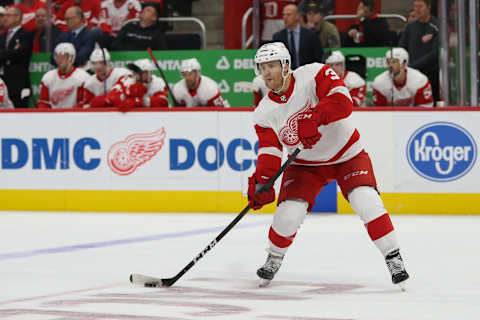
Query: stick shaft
x=175 y=103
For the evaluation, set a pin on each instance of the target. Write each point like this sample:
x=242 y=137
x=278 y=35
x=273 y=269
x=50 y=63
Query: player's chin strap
x=284 y=77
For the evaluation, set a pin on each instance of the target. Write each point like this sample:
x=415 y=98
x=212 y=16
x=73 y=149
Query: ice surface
x=76 y=266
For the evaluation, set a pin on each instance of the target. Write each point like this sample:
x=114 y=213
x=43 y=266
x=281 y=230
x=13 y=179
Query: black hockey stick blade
x=148 y=281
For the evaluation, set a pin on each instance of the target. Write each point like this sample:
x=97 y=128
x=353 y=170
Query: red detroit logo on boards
x=289 y=133
x=124 y=157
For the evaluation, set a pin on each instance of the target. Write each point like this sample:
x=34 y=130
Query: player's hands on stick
x=308 y=134
x=258 y=198
x=100 y=101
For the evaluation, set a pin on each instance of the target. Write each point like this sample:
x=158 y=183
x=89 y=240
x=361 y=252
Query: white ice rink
x=76 y=265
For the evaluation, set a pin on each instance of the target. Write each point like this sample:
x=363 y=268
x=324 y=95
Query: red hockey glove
x=129 y=103
x=257 y=200
x=100 y=101
x=308 y=134
x=136 y=90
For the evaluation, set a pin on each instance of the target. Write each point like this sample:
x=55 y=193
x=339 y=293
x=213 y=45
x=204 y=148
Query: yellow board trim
x=424 y=203
x=125 y=201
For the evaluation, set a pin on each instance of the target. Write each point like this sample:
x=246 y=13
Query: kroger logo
x=441 y=151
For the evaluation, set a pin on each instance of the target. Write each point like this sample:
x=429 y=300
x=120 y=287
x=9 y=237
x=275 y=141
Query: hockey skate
x=397 y=268
x=269 y=269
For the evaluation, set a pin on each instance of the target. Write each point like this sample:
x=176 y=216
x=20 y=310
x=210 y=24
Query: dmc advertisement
x=199 y=161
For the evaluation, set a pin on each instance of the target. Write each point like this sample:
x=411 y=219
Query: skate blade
x=403 y=285
x=263 y=283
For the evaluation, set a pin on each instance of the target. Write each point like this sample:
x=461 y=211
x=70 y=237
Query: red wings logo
x=61 y=94
x=124 y=157
x=288 y=134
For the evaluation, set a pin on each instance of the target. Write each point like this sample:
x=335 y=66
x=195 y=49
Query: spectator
x=142 y=34
x=411 y=16
x=420 y=39
x=77 y=34
x=272 y=20
x=98 y=91
x=354 y=83
x=114 y=13
x=370 y=30
x=40 y=35
x=3 y=20
x=195 y=89
x=62 y=88
x=294 y=36
x=142 y=90
x=401 y=85
x=15 y=52
x=327 y=32
x=90 y=8
x=29 y=7
x=5 y=102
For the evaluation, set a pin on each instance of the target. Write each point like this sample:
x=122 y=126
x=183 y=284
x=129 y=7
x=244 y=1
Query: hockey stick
x=175 y=103
x=148 y=281
x=104 y=71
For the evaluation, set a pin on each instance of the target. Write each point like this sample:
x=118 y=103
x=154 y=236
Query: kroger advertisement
x=425 y=162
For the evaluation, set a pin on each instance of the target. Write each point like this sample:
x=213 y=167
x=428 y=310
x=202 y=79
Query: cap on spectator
x=2 y=11
x=398 y=53
x=98 y=56
x=141 y=65
x=315 y=6
x=190 y=65
x=335 y=57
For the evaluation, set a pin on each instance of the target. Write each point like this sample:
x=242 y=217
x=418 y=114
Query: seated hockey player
x=62 y=88
x=401 y=85
x=142 y=90
x=355 y=84
x=5 y=102
x=310 y=108
x=97 y=92
x=195 y=89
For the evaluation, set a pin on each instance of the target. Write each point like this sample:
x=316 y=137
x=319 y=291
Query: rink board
x=199 y=160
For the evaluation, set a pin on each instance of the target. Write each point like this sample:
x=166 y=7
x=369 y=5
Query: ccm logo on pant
x=353 y=174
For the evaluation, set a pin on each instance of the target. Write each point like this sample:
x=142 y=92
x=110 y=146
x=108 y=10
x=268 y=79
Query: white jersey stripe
x=271 y=151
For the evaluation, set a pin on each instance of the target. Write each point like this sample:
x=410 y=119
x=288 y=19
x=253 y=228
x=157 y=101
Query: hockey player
x=114 y=13
x=401 y=85
x=98 y=91
x=196 y=89
x=63 y=87
x=355 y=84
x=142 y=90
x=5 y=102
x=310 y=108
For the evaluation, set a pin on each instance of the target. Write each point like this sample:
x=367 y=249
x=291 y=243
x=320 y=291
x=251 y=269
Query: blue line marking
x=101 y=244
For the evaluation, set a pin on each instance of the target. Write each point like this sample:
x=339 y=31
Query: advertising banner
x=227 y=67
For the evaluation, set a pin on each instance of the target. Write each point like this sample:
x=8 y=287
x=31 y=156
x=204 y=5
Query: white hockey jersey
x=312 y=86
x=61 y=91
x=416 y=91
x=356 y=86
x=207 y=93
x=112 y=17
x=5 y=102
x=96 y=87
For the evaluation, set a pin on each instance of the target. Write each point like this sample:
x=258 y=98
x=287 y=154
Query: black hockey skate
x=269 y=269
x=397 y=268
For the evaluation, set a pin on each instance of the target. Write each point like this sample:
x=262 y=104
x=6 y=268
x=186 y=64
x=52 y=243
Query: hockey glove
x=136 y=90
x=307 y=124
x=257 y=200
x=99 y=101
x=129 y=103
